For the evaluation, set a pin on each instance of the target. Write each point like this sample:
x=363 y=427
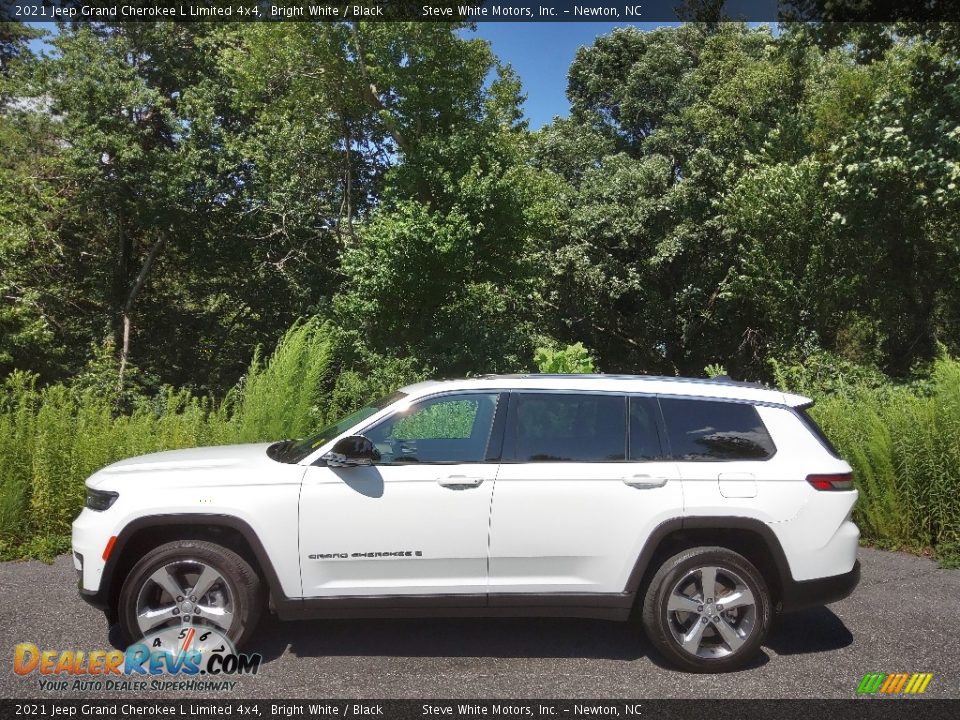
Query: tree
x=160 y=244
x=640 y=271
x=15 y=53
x=444 y=268
x=29 y=284
x=804 y=189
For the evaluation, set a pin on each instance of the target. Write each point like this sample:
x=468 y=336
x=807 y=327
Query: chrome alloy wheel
x=711 y=612
x=188 y=593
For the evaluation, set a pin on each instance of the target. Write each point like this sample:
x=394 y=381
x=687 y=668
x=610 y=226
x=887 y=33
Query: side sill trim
x=614 y=606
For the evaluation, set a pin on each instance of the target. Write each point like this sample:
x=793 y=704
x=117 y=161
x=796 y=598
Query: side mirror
x=352 y=451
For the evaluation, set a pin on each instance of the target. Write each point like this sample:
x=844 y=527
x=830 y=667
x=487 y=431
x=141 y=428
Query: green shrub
x=571 y=359
x=903 y=442
x=714 y=370
x=948 y=555
x=285 y=398
x=53 y=438
x=821 y=373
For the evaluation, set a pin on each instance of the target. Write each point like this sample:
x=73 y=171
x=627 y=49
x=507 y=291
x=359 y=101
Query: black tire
x=684 y=572
x=245 y=589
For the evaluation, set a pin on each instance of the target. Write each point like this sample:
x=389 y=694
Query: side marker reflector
x=109 y=548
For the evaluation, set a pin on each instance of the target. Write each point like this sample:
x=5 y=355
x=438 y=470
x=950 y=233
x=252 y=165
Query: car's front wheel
x=707 y=609
x=191 y=584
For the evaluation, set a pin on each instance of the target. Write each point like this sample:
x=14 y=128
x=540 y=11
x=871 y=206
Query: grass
x=51 y=439
x=904 y=445
x=903 y=441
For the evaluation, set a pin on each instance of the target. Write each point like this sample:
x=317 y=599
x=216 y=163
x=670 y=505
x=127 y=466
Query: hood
x=177 y=461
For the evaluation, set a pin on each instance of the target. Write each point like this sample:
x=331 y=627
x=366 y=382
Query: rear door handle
x=645 y=481
x=460 y=482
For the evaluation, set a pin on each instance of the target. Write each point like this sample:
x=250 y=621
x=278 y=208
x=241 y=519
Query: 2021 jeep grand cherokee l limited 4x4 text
x=700 y=507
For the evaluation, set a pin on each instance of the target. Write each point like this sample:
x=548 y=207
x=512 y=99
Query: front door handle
x=459 y=482
x=645 y=481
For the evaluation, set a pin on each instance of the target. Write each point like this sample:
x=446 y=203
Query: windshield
x=293 y=451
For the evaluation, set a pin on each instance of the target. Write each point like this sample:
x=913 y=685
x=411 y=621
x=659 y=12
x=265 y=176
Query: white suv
x=702 y=506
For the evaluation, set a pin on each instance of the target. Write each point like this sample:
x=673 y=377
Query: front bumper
x=94 y=598
x=822 y=591
x=90 y=537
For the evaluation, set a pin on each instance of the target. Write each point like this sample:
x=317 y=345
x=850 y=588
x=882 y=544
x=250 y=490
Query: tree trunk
x=128 y=306
x=372 y=95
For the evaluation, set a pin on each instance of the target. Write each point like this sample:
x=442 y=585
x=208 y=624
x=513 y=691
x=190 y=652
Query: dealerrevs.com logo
x=180 y=654
x=894 y=683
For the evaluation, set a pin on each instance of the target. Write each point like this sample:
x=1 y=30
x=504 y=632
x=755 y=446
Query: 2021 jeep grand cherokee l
x=701 y=506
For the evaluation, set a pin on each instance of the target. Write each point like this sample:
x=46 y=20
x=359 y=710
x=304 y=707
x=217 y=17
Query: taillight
x=836 y=481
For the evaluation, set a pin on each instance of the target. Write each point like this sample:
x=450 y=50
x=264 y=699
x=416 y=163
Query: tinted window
x=293 y=452
x=715 y=430
x=569 y=427
x=644 y=434
x=450 y=428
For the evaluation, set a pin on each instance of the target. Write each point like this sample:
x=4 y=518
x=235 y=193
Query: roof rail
x=719 y=379
x=727 y=380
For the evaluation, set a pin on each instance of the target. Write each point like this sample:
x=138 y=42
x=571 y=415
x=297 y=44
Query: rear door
x=583 y=483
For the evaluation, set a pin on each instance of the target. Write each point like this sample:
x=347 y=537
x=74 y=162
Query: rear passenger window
x=569 y=427
x=644 y=435
x=715 y=430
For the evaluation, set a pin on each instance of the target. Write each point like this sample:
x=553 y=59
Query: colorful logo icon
x=894 y=683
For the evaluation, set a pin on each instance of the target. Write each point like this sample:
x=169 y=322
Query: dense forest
x=780 y=204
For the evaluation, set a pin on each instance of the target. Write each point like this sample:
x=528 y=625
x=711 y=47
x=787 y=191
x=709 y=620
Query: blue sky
x=541 y=54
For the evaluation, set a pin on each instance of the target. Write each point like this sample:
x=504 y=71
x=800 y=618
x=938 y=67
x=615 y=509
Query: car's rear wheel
x=707 y=609
x=191 y=584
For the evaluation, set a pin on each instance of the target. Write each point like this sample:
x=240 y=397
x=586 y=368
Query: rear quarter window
x=715 y=430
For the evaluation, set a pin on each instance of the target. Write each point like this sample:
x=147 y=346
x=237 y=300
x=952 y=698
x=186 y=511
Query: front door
x=416 y=522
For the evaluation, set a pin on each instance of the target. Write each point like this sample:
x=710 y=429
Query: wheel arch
x=145 y=533
x=749 y=537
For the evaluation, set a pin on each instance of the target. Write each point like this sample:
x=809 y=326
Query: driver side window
x=445 y=429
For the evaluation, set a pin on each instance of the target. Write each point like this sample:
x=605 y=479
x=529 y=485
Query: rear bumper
x=822 y=591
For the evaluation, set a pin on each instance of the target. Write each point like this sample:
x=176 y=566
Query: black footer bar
x=853 y=709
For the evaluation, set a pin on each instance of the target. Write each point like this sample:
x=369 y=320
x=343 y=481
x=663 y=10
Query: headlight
x=100 y=499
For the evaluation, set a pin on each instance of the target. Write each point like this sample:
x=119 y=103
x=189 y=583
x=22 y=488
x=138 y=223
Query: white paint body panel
x=523 y=528
x=235 y=480
x=395 y=508
x=574 y=527
x=803 y=519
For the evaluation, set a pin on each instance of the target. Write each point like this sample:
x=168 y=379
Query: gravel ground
x=902 y=618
